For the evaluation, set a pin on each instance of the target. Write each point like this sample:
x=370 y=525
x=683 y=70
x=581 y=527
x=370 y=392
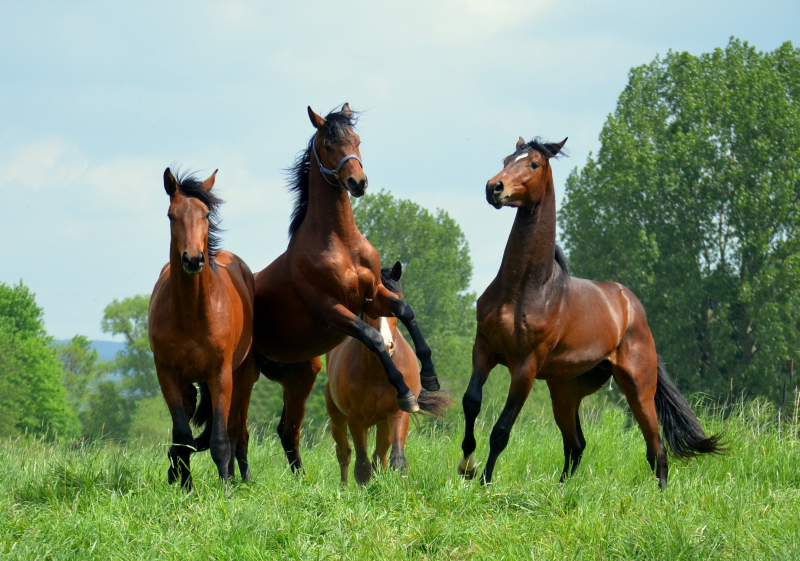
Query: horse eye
x=534 y=165
x=328 y=148
x=207 y=215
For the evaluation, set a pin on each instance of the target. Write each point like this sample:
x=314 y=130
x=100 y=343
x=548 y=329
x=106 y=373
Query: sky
x=97 y=98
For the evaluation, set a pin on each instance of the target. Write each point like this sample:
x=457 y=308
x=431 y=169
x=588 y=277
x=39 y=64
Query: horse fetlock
x=467 y=467
x=408 y=403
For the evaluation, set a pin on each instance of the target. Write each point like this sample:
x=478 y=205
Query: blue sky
x=99 y=97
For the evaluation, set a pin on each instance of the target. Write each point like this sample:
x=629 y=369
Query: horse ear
x=397 y=271
x=170 y=183
x=316 y=120
x=346 y=110
x=555 y=147
x=520 y=142
x=209 y=183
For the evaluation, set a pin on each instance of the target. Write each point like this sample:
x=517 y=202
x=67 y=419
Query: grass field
x=107 y=501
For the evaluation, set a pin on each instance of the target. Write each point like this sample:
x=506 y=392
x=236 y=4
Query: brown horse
x=358 y=396
x=575 y=334
x=200 y=323
x=310 y=298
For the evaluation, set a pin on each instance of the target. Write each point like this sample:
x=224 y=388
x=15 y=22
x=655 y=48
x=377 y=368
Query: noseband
x=334 y=172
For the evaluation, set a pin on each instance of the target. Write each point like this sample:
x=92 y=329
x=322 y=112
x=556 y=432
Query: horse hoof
x=467 y=467
x=430 y=383
x=408 y=404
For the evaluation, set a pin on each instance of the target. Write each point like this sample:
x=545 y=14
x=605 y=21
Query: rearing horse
x=310 y=298
x=574 y=333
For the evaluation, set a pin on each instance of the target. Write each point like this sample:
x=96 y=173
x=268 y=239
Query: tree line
x=692 y=201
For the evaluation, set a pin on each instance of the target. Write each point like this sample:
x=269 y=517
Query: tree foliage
x=82 y=369
x=134 y=363
x=692 y=202
x=32 y=394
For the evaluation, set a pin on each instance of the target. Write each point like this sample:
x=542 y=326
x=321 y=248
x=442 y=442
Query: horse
x=310 y=298
x=358 y=396
x=201 y=329
x=573 y=333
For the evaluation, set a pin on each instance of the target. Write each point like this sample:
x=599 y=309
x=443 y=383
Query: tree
x=82 y=369
x=692 y=202
x=32 y=393
x=135 y=363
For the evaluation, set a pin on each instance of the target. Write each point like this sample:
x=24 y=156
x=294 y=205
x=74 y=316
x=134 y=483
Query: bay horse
x=200 y=324
x=310 y=298
x=358 y=395
x=573 y=333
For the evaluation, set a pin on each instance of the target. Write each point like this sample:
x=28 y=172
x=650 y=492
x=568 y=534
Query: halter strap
x=334 y=172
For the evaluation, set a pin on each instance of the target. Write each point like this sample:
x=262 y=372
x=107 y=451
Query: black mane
x=190 y=186
x=338 y=126
x=561 y=261
x=388 y=281
x=546 y=149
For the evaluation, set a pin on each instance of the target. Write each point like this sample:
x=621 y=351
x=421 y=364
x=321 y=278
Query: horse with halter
x=358 y=396
x=573 y=333
x=200 y=326
x=310 y=298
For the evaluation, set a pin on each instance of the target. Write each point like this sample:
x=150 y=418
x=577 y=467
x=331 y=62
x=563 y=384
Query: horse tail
x=202 y=418
x=682 y=430
x=434 y=403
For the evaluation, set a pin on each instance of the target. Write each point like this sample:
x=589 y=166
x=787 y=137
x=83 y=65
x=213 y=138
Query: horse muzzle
x=193 y=265
x=357 y=188
x=494 y=194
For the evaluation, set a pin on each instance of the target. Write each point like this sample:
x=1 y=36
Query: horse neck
x=190 y=295
x=329 y=208
x=529 y=257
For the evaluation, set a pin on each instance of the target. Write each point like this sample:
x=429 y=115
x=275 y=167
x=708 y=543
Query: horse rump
x=682 y=430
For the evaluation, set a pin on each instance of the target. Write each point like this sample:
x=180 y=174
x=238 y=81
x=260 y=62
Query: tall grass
x=108 y=501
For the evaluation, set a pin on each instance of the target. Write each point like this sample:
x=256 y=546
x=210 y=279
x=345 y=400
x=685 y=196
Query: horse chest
x=513 y=330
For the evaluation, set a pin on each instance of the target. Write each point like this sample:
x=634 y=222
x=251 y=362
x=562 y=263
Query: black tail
x=435 y=403
x=202 y=418
x=682 y=430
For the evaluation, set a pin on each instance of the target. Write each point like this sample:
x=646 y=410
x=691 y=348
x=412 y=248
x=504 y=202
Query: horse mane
x=561 y=261
x=338 y=126
x=190 y=186
x=546 y=149
x=392 y=285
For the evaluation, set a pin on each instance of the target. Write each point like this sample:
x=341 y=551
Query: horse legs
x=363 y=468
x=384 y=304
x=297 y=380
x=345 y=321
x=182 y=440
x=398 y=428
x=221 y=388
x=637 y=376
x=566 y=404
x=383 y=441
x=243 y=379
x=339 y=434
x=482 y=365
x=521 y=382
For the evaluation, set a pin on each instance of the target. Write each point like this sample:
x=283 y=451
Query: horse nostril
x=185 y=257
x=498 y=188
x=202 y=257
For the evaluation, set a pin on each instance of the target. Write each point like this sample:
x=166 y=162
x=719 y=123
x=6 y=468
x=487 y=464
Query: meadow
x=106 y=500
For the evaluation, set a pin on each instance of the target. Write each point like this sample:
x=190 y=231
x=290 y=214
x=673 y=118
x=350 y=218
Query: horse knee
x=472 y=402
x=499 y=438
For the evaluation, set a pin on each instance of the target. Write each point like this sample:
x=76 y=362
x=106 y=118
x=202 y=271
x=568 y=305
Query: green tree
x=32 y=392
x=135 y=362
x=692 y=201
x=82 y=369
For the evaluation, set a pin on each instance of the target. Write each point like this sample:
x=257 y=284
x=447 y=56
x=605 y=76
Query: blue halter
x=334 y=172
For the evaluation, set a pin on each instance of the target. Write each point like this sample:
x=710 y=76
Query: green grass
x=108 y=501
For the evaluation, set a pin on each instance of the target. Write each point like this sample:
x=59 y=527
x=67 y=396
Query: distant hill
x=105 y=349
